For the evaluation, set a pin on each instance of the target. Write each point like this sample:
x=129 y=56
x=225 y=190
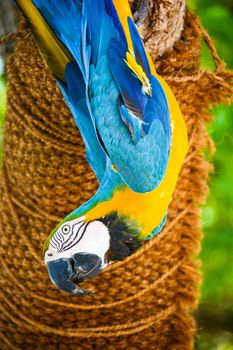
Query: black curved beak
x=65 y=273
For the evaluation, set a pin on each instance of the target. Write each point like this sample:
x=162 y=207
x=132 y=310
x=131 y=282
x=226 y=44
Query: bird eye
x=66 y=229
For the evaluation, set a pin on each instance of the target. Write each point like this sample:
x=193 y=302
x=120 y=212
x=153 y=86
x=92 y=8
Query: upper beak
x=65 y=273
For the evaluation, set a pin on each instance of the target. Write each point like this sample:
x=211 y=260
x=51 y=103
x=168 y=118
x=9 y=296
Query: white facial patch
x=95 y=241
x=78 y=236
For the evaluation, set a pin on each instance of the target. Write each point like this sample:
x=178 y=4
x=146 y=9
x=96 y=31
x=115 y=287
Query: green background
x=215 y=313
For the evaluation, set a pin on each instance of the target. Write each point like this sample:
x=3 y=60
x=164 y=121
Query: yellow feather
x=123 y=10
x=53 y=52
x=138 y=71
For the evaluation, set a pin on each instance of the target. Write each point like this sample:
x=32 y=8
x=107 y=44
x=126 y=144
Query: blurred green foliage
x=215 y=314
x=217 y=17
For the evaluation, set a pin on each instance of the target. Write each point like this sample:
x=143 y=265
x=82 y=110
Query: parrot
x=134 y=133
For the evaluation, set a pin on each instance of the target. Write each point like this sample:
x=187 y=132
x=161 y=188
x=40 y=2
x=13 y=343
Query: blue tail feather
x=112 y=12
x=101 y=37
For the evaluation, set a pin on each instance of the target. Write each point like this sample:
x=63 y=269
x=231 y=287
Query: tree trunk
x=161 y=22
x=8 y=23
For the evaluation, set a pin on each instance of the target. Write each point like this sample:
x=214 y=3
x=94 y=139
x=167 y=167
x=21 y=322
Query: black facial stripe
x=56 y=241
x=57 y=244
x=61 y=242
x=73 y=243
x=60 y=236
x=71 y=237
x=52 y=244
x=83 y=232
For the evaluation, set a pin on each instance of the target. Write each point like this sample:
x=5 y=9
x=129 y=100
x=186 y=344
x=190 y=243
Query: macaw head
x=78 y=250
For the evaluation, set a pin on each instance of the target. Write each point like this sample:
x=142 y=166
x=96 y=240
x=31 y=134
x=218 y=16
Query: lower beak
x=65 y=273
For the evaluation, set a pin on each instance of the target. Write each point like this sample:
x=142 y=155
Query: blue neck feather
x=109 y=184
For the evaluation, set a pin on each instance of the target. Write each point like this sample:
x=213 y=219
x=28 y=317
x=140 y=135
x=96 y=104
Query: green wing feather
x=53 y=52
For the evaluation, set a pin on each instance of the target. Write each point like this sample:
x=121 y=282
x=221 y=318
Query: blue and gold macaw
x=130 y=121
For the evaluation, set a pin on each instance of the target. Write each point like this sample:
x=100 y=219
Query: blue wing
x=141 y=164
x=116 y=118
x=69 y=21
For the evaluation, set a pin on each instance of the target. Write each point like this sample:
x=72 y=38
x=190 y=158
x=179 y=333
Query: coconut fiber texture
x=144 y=302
